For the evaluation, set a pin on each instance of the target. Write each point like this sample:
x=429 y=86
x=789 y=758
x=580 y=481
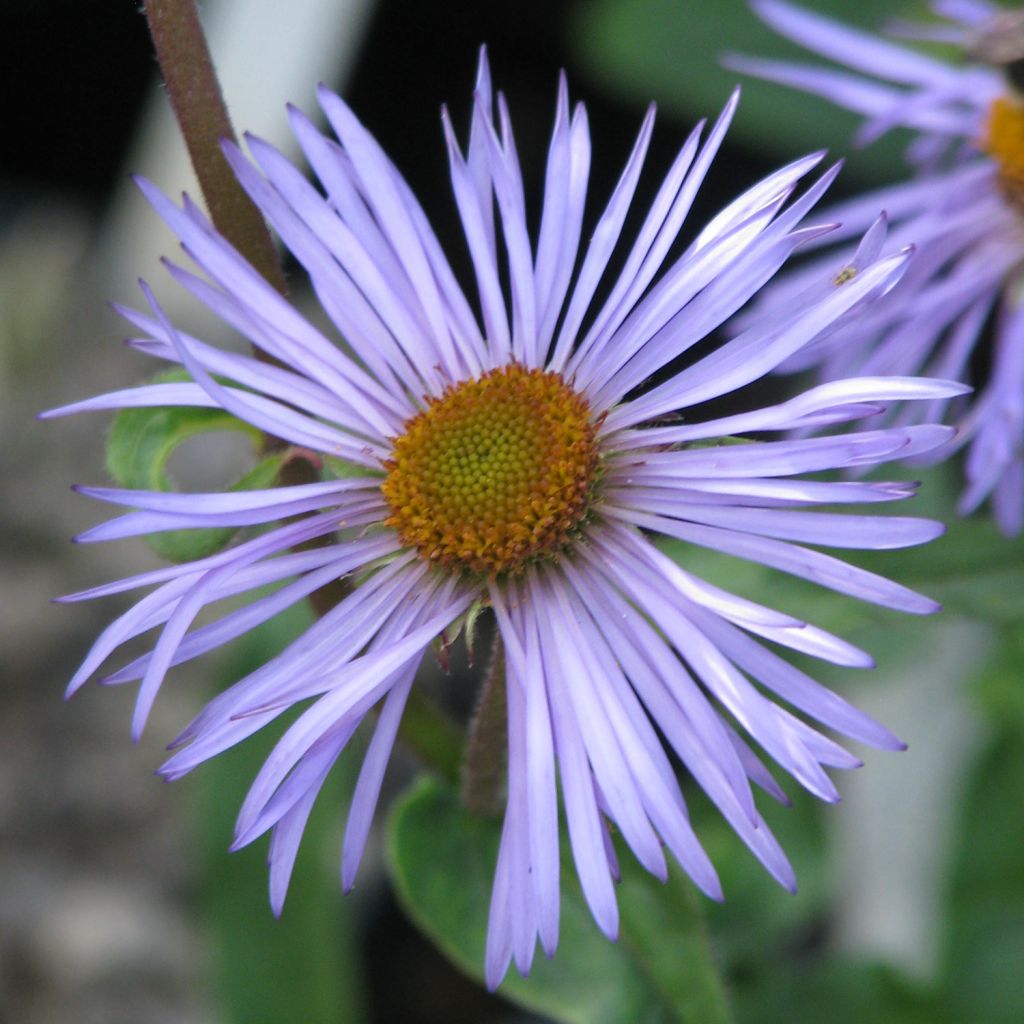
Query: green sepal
x=472 y=617
x=467 y=623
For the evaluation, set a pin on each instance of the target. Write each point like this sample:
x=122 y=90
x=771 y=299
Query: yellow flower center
x=1004 y=142
x=495 y=472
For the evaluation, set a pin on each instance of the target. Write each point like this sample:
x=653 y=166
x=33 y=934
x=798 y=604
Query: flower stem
x=483 y=772
x=198 y=105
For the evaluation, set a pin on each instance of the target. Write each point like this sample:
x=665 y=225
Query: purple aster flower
x=517 y=457
x=962 y=208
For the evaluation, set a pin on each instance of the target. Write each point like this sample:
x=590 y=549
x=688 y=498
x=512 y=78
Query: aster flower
x=520 y=461
x=962 y=208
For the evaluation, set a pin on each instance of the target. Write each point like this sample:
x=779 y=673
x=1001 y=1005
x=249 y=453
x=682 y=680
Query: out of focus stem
x=199 y=108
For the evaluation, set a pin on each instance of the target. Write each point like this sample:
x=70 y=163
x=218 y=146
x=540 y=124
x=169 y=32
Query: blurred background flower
x=960 y=205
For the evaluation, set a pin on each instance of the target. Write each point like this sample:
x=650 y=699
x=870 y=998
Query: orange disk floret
x=1004 y=142
x=495 y=472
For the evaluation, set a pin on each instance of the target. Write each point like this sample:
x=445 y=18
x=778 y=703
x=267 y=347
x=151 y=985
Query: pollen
x=1004 y=142
x=494 y=473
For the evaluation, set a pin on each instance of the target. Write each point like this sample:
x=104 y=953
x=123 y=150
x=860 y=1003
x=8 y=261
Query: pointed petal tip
x=326 y=96
x=231 y=149
x=711 y=886
x=180 y=740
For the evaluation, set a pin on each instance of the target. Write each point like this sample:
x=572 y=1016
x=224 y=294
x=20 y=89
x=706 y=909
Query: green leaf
x=671 y=51
x=141 y=442
x=660 y=971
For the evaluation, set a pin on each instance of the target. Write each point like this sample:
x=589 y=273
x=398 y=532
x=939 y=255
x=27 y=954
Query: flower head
x=520 y=460
x=963 y=208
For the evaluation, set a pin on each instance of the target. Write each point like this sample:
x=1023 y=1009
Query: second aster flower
x=963 y=208
x=517 y=456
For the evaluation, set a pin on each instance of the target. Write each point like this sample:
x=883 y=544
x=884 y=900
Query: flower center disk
x=495 y=472
x=1004 y=142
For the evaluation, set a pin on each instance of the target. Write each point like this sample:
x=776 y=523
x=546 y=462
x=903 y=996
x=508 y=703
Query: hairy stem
x=484 y=769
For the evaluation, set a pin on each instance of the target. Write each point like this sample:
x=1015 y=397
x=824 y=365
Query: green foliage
x=985 y=948
x=142 y=441
x=840 y=991
x=660 y=971
x=973 y=569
